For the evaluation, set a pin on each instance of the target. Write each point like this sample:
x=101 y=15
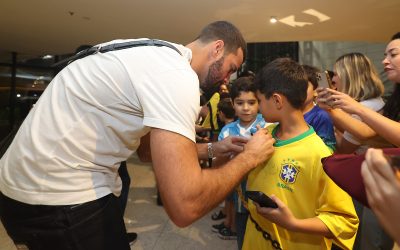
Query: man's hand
x=260 y=147
x=229 y=146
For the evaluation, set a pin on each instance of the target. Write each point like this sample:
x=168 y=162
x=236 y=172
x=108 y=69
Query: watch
x=210 y=150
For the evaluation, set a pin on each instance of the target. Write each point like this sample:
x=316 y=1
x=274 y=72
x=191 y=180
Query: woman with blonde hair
x=356 y=76
x=383 y=191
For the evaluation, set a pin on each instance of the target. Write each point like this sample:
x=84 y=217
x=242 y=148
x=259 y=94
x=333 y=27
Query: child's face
x=246 y=107
x=310 y=94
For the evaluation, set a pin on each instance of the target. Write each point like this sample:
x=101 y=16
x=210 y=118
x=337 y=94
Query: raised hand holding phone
x=277 y=212
x=262 y=199
x=324 y=82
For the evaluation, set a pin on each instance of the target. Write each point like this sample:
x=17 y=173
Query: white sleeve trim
x=173 y=127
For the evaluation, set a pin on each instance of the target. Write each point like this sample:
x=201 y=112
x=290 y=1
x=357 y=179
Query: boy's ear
x=277 y=99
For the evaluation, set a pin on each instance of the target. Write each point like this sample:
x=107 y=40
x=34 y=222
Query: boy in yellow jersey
x=312 y=210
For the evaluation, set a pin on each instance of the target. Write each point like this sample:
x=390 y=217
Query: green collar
x=280 y=143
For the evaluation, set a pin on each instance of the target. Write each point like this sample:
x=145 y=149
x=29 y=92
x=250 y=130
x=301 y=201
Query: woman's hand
x=383 y=191
x=321 y=99
x=337 y=99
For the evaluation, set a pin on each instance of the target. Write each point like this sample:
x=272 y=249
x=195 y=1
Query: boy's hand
x=282 y=216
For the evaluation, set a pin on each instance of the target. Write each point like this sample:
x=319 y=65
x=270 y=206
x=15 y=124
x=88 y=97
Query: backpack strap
x=115 y=46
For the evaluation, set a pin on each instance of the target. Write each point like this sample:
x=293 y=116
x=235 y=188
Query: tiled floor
x=150 y=221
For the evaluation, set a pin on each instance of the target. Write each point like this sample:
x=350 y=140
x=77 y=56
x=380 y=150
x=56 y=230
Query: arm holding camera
x=383 y=191
x=340 y=108
x=377 y=123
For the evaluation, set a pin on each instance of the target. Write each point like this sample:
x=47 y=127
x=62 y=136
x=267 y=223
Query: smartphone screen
x=262 y=199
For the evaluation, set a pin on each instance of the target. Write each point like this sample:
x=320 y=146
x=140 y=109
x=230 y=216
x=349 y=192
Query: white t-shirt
x=91 y=117
x=376 y=104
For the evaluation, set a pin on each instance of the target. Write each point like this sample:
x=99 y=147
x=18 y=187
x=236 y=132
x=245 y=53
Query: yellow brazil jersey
x=295 y=175
x=214 y=100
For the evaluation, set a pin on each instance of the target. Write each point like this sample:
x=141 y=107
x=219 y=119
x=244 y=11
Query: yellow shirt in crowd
x=296 y=176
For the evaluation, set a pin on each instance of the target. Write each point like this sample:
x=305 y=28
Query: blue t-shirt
x=320 y=120
x=235 y=129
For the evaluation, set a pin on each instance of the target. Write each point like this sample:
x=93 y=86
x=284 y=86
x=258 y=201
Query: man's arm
x=189 y=192
x=222 y=149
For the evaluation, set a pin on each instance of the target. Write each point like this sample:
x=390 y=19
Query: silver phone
x=324 y=80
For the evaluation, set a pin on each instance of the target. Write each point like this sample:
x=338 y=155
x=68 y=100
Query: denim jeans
x=94 y=225
x=241 y=222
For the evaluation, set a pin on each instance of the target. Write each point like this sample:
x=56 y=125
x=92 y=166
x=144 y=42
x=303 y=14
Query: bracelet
x=210 y=150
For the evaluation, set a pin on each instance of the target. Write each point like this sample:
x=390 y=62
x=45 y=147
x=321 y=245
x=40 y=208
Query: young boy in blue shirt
x=245 y=104
x=316 y=117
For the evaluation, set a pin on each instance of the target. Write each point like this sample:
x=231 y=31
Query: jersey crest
x=289 y=171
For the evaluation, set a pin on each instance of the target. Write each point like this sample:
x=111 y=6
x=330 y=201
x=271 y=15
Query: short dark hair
x=286 y=77
x=227 y=32
x=248 y=73
x=225 y=106
x=311 y=73
x=242 y=84
x=396 y=36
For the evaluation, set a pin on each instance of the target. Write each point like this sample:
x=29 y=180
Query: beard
x=213 y=79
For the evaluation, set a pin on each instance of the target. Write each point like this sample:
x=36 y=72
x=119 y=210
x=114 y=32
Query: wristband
x=210 y=150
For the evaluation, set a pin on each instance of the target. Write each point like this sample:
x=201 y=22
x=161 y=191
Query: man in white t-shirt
x=59 y=178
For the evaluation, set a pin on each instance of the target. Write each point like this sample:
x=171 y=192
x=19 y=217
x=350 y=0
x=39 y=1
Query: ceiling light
x=47 y=57
x=273 y=20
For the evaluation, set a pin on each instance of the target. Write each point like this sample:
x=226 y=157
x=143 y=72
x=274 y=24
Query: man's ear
x=277 y=100
x=218 y=49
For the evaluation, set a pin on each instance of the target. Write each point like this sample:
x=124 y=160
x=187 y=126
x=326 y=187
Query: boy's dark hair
x=286 y=77
x=311 y=73
x=227 y=32
x=242 y=84
x=248 y=73
x=225 y=106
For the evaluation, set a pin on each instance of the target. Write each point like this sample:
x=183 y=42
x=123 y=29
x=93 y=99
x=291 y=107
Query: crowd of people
x=263 y=132
x=354 y=80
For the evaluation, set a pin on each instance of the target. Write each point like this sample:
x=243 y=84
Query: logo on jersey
x=289 y=171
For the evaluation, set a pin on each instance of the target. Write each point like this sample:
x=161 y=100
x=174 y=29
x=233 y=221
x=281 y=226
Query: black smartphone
x=262 y=199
